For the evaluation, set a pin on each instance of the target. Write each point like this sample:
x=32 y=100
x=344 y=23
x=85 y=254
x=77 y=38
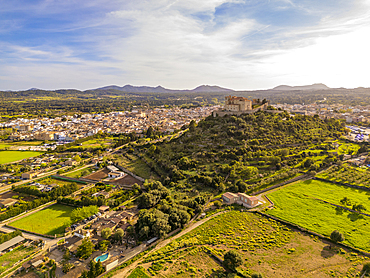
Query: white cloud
x=163 y=43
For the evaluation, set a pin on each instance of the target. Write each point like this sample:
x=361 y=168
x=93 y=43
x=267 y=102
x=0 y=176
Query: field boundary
x=301 y=177
x=287 y=223
x=29 y=232
x=343 y=184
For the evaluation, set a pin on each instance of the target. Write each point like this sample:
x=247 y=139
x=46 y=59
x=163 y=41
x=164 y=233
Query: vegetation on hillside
x=243 y=153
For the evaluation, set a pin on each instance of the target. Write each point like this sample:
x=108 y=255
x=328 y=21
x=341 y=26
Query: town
x=70 y=128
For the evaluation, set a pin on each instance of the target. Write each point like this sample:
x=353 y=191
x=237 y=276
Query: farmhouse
x=115 y=174
x=71 y=162
x=241 y=199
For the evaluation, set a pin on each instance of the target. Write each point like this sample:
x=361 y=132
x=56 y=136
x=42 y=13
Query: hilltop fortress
x=240 y=105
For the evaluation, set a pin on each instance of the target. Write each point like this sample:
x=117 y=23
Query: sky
x=181 y=44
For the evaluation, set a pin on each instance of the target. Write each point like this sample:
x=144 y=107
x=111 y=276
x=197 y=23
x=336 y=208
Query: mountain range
x=317 y=86
x=160 y=89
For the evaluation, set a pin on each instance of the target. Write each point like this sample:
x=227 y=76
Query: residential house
x=29 y=175
x=241 y=199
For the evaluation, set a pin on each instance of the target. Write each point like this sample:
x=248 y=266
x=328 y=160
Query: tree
x=307 y=163
x=150 y=132
x=232 y=260
x=77 y=158
x=192 y=125
x=336 y=236
x=67 y=267
x=67 y=255
x=118 y=235
x=345 y=201
x=359 y=207
x=217 y=204
x=256 y=275
x=106 y=233
x=85 y=249
x=103 y=245
x=366 y=268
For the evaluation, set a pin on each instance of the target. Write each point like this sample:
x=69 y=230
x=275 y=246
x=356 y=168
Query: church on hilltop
x=240 y=105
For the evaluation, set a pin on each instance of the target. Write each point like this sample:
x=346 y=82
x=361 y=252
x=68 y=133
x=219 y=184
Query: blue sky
x=250 y=44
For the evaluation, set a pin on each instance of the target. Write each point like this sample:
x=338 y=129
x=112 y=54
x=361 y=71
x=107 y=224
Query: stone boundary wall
x=33 y=233
x=279 y=184
x=343 y=184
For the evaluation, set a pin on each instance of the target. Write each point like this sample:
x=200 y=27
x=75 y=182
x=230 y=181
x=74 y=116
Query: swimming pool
x=102 y=257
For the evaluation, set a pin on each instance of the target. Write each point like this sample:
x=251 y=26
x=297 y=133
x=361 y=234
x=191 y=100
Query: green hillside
x=243 y=153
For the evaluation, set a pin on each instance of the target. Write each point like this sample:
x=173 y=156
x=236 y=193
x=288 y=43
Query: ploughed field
x=265 y=245
x=302 y=203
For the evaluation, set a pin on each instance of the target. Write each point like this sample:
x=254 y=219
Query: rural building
x=70 y=162
x=11 y=243
x=101 y=193
x=29 y=175
x=116 y=174
x=103 y=209
x=230 y=198
x=7 y=202
x=241 y=199
x=82 y=234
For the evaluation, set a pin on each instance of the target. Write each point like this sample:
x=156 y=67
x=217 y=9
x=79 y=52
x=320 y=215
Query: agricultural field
x=12 y=156
x=302 y=203
x=53 y=181
x=347 y=174
x=95 y=143
x=81 y=173
x=265 y=245
x=10 y=258
x=49 y=221
x=12 y=145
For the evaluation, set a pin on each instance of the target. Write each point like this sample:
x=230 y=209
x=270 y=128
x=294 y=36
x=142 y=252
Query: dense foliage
x=9 y=236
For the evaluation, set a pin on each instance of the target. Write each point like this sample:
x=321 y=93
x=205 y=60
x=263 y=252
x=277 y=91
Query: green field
x=139 y=272
x=11 y=156
x=80 y=173
x=295 y=203
x=10 y=258
x=49 y=221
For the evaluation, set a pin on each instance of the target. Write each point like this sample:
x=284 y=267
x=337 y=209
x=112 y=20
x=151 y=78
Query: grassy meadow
x=49 y=221
x=296 y=203
x=265 y=245
x=11 y=156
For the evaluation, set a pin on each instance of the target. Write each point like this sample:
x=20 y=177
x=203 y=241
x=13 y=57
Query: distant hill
x=317 y=86
x=160 y=89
